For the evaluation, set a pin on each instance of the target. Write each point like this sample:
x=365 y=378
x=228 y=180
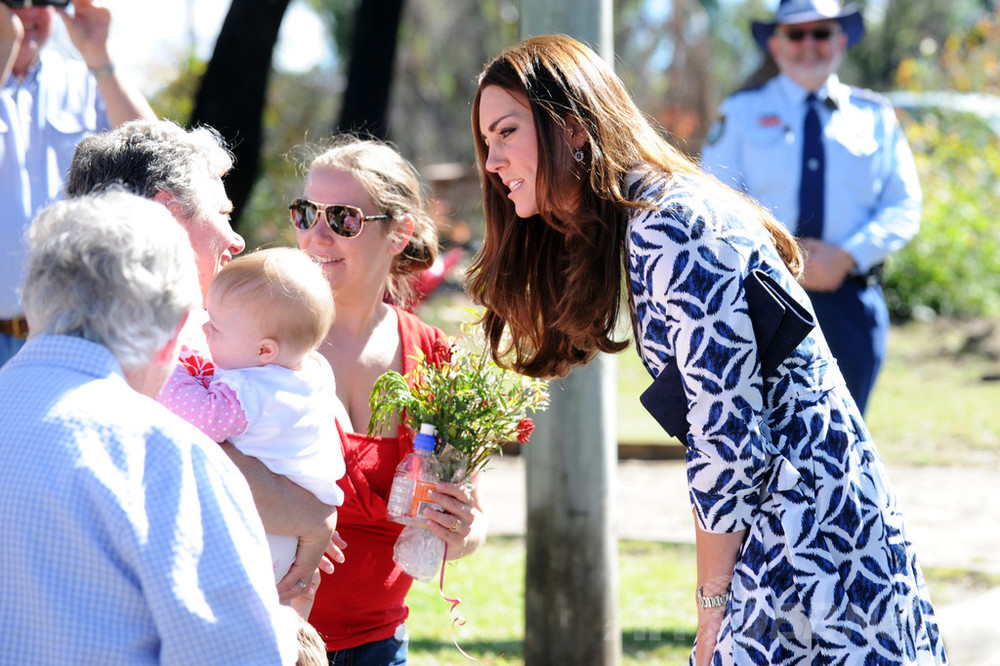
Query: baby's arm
x=213 y=407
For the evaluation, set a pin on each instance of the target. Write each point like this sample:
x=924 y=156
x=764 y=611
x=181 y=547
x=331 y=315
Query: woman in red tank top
x=363 y=218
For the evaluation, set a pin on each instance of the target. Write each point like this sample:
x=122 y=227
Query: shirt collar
x=828 y=93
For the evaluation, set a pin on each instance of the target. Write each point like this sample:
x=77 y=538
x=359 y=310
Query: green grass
x=657 y=614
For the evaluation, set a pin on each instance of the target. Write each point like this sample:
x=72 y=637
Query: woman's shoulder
x=418 y=334
x=680 y=197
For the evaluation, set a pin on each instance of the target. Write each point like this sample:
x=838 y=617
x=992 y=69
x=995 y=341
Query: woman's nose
x=493 y=159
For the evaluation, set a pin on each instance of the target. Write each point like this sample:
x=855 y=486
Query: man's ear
x=165 y=198
x=267 y=350
x=771 y=44
x=575 y=134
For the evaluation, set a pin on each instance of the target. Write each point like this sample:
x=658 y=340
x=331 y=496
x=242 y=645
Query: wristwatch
x=713 y=602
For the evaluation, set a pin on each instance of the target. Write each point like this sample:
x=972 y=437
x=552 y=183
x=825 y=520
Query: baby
x=266 y=389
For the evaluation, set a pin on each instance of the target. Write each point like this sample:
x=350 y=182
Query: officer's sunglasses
x=343 y=220
x=798 y=34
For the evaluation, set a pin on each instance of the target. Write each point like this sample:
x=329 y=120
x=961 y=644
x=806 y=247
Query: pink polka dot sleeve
x=214 y=409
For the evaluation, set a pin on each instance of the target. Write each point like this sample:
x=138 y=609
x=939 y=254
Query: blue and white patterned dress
x=825 y=574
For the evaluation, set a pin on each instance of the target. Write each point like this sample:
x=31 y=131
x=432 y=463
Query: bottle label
x=420 y=499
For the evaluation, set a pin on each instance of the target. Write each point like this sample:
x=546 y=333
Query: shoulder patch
x=716 y=131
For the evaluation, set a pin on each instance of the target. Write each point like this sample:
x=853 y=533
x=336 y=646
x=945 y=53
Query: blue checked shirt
x=126 y=536
x=42 y=118
x=873 y=197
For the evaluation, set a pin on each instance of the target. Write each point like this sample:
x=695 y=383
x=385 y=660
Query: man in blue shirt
x=831 y=162
x=47 y=104
x=126 y=536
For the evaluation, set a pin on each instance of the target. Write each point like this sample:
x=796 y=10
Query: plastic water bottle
x=416 y=474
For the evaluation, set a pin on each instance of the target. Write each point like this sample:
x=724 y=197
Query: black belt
x=16 y=327
x=869 y=279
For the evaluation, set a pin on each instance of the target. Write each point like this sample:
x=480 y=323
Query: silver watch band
x=713 y=601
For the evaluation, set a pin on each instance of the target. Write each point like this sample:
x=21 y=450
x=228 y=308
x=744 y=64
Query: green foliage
x=176 y=100
x=475 y=405
x=952 y=266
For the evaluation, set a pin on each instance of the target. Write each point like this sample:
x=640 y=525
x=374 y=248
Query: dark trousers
x=855 y=321
x=388 y=652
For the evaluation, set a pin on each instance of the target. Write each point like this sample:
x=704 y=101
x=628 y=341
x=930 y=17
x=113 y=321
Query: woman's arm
x=716 y=556
x=289 y=509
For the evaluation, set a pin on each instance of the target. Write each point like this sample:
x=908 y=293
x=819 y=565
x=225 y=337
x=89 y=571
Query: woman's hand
x=303 y=603
x=460 y=522
x=709 y=623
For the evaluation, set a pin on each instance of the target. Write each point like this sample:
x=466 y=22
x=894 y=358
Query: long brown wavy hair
x=554 y=281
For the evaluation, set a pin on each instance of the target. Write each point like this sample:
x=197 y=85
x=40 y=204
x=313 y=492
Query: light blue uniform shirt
x=873 y=199
x=126 y=536
x=42 y=118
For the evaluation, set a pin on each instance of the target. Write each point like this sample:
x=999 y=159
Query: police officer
x=831 y=162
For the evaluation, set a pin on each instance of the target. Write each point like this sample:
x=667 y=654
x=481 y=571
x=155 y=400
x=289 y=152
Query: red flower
x=524 y=429
x=440 y=353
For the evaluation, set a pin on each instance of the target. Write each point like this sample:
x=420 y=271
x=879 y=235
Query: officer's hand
x=826 y=267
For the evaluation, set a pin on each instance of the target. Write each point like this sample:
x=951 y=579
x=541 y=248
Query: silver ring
x=458 y=524
x=301 y=584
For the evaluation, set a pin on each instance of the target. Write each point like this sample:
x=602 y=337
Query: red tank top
x=364 y=599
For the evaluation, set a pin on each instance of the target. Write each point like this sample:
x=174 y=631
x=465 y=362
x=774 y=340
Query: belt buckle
x=17 y=327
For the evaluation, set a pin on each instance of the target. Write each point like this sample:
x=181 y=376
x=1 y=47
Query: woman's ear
x=576 y=136
x=401 y=235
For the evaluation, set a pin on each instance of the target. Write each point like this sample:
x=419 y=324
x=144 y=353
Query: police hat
x=790 y=12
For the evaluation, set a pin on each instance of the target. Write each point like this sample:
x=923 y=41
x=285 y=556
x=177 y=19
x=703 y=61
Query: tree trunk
x=234 y=88
x=369 y=77
x=571 y=567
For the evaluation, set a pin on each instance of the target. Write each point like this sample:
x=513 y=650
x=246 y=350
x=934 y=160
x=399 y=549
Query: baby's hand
x=197 y=365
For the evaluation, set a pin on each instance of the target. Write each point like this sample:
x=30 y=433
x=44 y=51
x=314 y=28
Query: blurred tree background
x=679 y=57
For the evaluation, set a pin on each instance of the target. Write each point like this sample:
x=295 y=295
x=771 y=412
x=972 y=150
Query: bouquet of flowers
x=475 y=405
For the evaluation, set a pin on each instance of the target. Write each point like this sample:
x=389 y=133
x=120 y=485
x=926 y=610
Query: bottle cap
x=425 y=438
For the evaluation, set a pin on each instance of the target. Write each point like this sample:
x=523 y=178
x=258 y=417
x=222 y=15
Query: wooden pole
x=571 y=578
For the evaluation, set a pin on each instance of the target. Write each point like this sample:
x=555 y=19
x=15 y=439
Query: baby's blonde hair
x=285 y=290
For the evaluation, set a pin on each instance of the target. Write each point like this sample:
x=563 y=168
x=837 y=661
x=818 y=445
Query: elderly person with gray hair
x=125 y=534
x=183 y=170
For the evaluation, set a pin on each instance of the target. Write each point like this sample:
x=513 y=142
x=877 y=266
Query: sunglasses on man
x=345 y=221
x=798 y=34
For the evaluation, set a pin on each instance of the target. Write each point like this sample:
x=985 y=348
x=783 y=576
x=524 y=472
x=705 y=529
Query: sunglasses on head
x=798 y=34
x=346 y=221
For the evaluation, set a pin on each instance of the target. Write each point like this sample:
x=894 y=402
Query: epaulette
x=866 y=95
x=751 y=88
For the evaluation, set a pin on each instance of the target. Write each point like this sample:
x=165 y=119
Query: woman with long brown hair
x=802 y=555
